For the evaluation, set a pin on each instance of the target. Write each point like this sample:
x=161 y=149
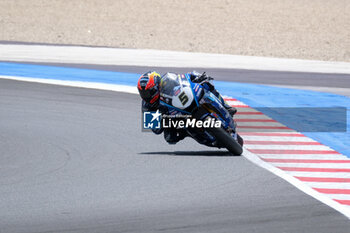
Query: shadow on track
x=190 y=153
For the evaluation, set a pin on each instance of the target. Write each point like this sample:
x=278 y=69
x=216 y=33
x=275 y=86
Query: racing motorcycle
x=182 y=97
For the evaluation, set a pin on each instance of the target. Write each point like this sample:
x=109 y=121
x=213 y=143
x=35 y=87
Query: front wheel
x=240 y=140
x=226 y=140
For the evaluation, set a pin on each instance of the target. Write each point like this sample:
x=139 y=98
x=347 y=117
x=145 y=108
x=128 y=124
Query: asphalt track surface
x=75 y=160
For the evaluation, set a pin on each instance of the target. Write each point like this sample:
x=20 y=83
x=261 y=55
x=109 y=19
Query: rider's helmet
x=148 y=86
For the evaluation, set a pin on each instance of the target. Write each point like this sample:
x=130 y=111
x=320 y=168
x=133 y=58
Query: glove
x=201 y=77
x=204 y=76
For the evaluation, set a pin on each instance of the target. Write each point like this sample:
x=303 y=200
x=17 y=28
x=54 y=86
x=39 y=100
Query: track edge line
x=296 y=183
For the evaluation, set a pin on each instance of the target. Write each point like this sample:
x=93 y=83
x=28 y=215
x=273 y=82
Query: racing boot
x=230 y=109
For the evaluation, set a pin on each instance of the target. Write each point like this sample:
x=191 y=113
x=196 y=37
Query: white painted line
x=243 y=116
x=262 y=130
x=259 y=124
x=246 y=110
x=162 y=58
x=235 y=102
x=304 y=156
x=313 y=165
x=339 y=196
x=297 y=183
x=330 y=185
x=320 y=174
x=290 y=147
x=281 y=139
x=281 y=134
x=91 y=85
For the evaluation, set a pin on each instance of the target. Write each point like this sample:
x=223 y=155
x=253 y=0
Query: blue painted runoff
x=67 y=74
x=266 y=97
x=257 y=96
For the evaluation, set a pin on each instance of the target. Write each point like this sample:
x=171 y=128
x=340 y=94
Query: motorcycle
x=182 y=97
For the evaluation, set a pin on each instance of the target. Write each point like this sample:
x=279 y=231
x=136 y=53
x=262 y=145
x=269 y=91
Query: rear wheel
x=226 y=140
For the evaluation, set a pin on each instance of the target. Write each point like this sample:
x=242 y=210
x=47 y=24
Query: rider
x=148 y=86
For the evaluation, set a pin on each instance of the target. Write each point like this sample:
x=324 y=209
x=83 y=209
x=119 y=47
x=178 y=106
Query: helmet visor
x=148 y=95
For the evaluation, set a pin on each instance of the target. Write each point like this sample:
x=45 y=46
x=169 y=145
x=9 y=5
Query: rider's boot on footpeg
x=230 y=109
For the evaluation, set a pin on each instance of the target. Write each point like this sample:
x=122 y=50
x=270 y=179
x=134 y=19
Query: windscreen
x=168 y=83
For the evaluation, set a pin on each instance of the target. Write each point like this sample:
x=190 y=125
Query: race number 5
x=183 y=98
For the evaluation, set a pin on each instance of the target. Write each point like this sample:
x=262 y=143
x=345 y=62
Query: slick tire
x=227 y=141
x=240 y=140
